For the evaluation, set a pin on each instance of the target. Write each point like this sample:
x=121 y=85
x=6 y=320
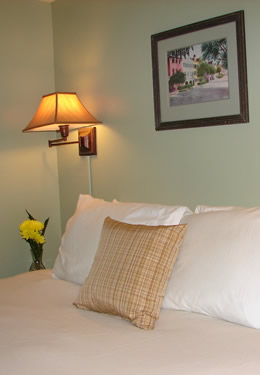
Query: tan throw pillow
x=131 y=270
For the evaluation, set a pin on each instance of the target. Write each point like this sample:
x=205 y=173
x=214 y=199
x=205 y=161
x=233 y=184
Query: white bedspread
x=43 y=333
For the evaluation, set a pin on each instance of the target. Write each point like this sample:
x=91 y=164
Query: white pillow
x=85 y=201
x=80 y=240
x=204 y=208
x=218 y=268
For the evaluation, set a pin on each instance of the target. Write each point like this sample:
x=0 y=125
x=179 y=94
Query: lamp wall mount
x=86 y=140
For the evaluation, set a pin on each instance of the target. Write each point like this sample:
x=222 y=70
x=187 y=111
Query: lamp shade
x=60 y=108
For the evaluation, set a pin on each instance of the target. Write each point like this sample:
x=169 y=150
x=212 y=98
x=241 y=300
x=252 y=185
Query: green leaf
x=45 y=225
x=29 y=215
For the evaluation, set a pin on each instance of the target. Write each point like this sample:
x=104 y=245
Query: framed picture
x=200 y=75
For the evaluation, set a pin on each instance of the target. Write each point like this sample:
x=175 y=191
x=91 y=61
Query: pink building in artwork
x=187 y=65
x=174 y=65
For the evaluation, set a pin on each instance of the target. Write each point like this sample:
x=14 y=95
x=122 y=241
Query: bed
x=203 y=327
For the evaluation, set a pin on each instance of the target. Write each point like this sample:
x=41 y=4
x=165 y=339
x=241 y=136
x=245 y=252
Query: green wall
x=102 y=51
x=28 y=168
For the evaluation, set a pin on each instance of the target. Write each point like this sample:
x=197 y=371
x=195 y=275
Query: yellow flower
x=30 y=230
x=39 y=238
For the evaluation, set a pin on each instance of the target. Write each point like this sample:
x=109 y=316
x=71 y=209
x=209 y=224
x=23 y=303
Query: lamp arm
x=60 y=142
x=64 y=132
x=86 y=140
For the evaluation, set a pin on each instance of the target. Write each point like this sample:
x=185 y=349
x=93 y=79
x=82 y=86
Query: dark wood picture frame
x=241 y=115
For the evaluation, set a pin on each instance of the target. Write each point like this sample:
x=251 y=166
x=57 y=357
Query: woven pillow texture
x=131 y=270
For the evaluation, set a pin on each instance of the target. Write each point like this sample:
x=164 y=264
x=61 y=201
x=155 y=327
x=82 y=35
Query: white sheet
x=43 y=333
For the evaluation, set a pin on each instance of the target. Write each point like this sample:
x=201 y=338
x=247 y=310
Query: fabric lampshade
x=60 y=108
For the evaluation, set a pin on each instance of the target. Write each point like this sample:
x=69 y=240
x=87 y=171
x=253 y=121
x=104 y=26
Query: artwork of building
x=187 y=65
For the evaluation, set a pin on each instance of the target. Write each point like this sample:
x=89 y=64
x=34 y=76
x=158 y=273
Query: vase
x=37 y=263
